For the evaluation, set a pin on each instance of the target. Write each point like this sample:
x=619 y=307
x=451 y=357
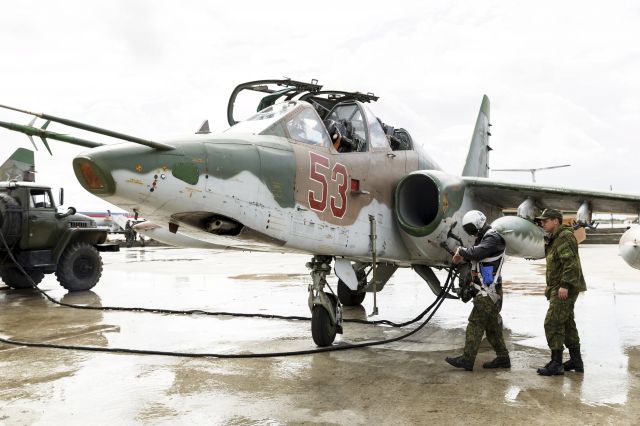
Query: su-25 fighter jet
x=314 y=171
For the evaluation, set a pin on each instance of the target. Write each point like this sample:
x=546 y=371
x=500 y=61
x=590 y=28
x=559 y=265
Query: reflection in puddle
x=511 y=394
x=269 y=277
x=37 y=387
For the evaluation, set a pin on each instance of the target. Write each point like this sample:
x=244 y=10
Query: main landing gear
x=326 y=310
x=349 y=297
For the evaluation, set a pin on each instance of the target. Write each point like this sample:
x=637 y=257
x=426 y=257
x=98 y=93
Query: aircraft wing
x=509 y=195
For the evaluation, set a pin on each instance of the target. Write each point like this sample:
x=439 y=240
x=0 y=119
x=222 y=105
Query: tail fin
x=20 y=166
x=478 y=157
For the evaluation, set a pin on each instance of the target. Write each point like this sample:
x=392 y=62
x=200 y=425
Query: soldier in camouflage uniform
x=488 y=253
x=564 y=282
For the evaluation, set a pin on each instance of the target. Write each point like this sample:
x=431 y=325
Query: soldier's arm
x=490 y=245
x=568 y=255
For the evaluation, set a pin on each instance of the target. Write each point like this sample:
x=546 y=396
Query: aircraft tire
x=80 y=267
x=349 y=297
x=323 y=330
x=15 y=279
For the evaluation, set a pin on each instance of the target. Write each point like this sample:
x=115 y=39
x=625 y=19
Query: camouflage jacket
x=563 y=263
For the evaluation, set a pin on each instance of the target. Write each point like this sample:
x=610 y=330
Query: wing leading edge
x=510 y=195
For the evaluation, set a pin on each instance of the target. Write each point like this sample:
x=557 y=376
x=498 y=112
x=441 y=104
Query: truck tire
x=15 y=279
x=10 y=219
x=79 y=267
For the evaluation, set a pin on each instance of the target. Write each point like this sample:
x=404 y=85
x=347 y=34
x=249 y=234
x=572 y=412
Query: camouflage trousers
x=560 y=325
x=484 y=318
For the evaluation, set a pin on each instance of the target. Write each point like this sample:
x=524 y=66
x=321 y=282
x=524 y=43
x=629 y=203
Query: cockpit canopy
x=299 y=121
x=305 y=112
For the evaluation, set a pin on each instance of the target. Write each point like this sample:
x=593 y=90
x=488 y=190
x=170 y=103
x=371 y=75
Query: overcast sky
x=563 y=77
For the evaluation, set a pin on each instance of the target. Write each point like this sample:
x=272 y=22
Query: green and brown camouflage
x=281 y=187
x=484 y=319
x=559 y=323
x=563 y=263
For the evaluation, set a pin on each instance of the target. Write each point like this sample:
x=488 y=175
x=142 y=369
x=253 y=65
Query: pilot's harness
x=487 y=276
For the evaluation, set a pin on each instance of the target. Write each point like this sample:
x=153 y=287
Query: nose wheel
x=326 y=310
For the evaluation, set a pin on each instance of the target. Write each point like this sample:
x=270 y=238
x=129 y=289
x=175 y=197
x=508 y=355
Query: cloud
x=561 y=76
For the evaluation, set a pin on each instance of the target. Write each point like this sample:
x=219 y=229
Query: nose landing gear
x=326 y=310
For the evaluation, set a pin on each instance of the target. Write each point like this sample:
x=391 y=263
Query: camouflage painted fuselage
x=288 y=195
x=277 y=192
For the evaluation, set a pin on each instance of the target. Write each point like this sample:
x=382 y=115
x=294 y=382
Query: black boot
x=546 y=365
x=498 y=362
x=460 y=362
x=554 y=368
x=575 y=360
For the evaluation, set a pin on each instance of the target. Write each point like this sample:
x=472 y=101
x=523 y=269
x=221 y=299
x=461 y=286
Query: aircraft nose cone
x=93 y=176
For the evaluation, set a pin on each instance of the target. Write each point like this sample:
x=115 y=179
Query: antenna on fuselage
x=204 y=128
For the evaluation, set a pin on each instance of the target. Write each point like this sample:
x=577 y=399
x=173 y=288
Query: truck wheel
x=80 y=267
x=14 y=278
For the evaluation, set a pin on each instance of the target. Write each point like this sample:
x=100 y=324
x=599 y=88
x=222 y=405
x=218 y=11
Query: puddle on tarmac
x=49 y=387
x=269 y=277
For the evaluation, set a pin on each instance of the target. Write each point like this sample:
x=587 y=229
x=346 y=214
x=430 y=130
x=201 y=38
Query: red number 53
x=318 y=171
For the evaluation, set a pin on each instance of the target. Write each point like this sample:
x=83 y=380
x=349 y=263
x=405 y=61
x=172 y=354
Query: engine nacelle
x=424 y=198
x=629 y=246
x=522 y=237
x=427 y=208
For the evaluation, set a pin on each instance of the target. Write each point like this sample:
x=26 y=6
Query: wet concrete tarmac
x=402 y=383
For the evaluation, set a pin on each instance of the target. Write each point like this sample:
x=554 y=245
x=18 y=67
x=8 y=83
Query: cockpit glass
x=293 y=119
x=377 y=137
x=306 y=127
x=263 y=119
x=351 y=115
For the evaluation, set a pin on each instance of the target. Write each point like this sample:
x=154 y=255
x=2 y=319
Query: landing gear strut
x=326 y=310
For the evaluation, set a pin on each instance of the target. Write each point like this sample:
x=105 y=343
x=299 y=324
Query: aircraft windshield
x=263 y=119
x=377 y=138
x=306 y=127
x=293 y=120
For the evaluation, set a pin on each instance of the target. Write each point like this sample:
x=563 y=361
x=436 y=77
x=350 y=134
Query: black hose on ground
x=436 y=303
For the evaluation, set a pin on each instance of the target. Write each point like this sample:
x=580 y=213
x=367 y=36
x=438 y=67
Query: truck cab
x=38 y=240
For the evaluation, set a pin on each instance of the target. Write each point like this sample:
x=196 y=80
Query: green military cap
x=550 y=214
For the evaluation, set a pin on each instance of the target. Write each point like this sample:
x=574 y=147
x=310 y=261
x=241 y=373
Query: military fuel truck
x=44 y=241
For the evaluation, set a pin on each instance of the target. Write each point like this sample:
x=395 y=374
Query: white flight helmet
x=473 y=221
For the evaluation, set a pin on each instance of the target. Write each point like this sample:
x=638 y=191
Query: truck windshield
x=40 y=199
